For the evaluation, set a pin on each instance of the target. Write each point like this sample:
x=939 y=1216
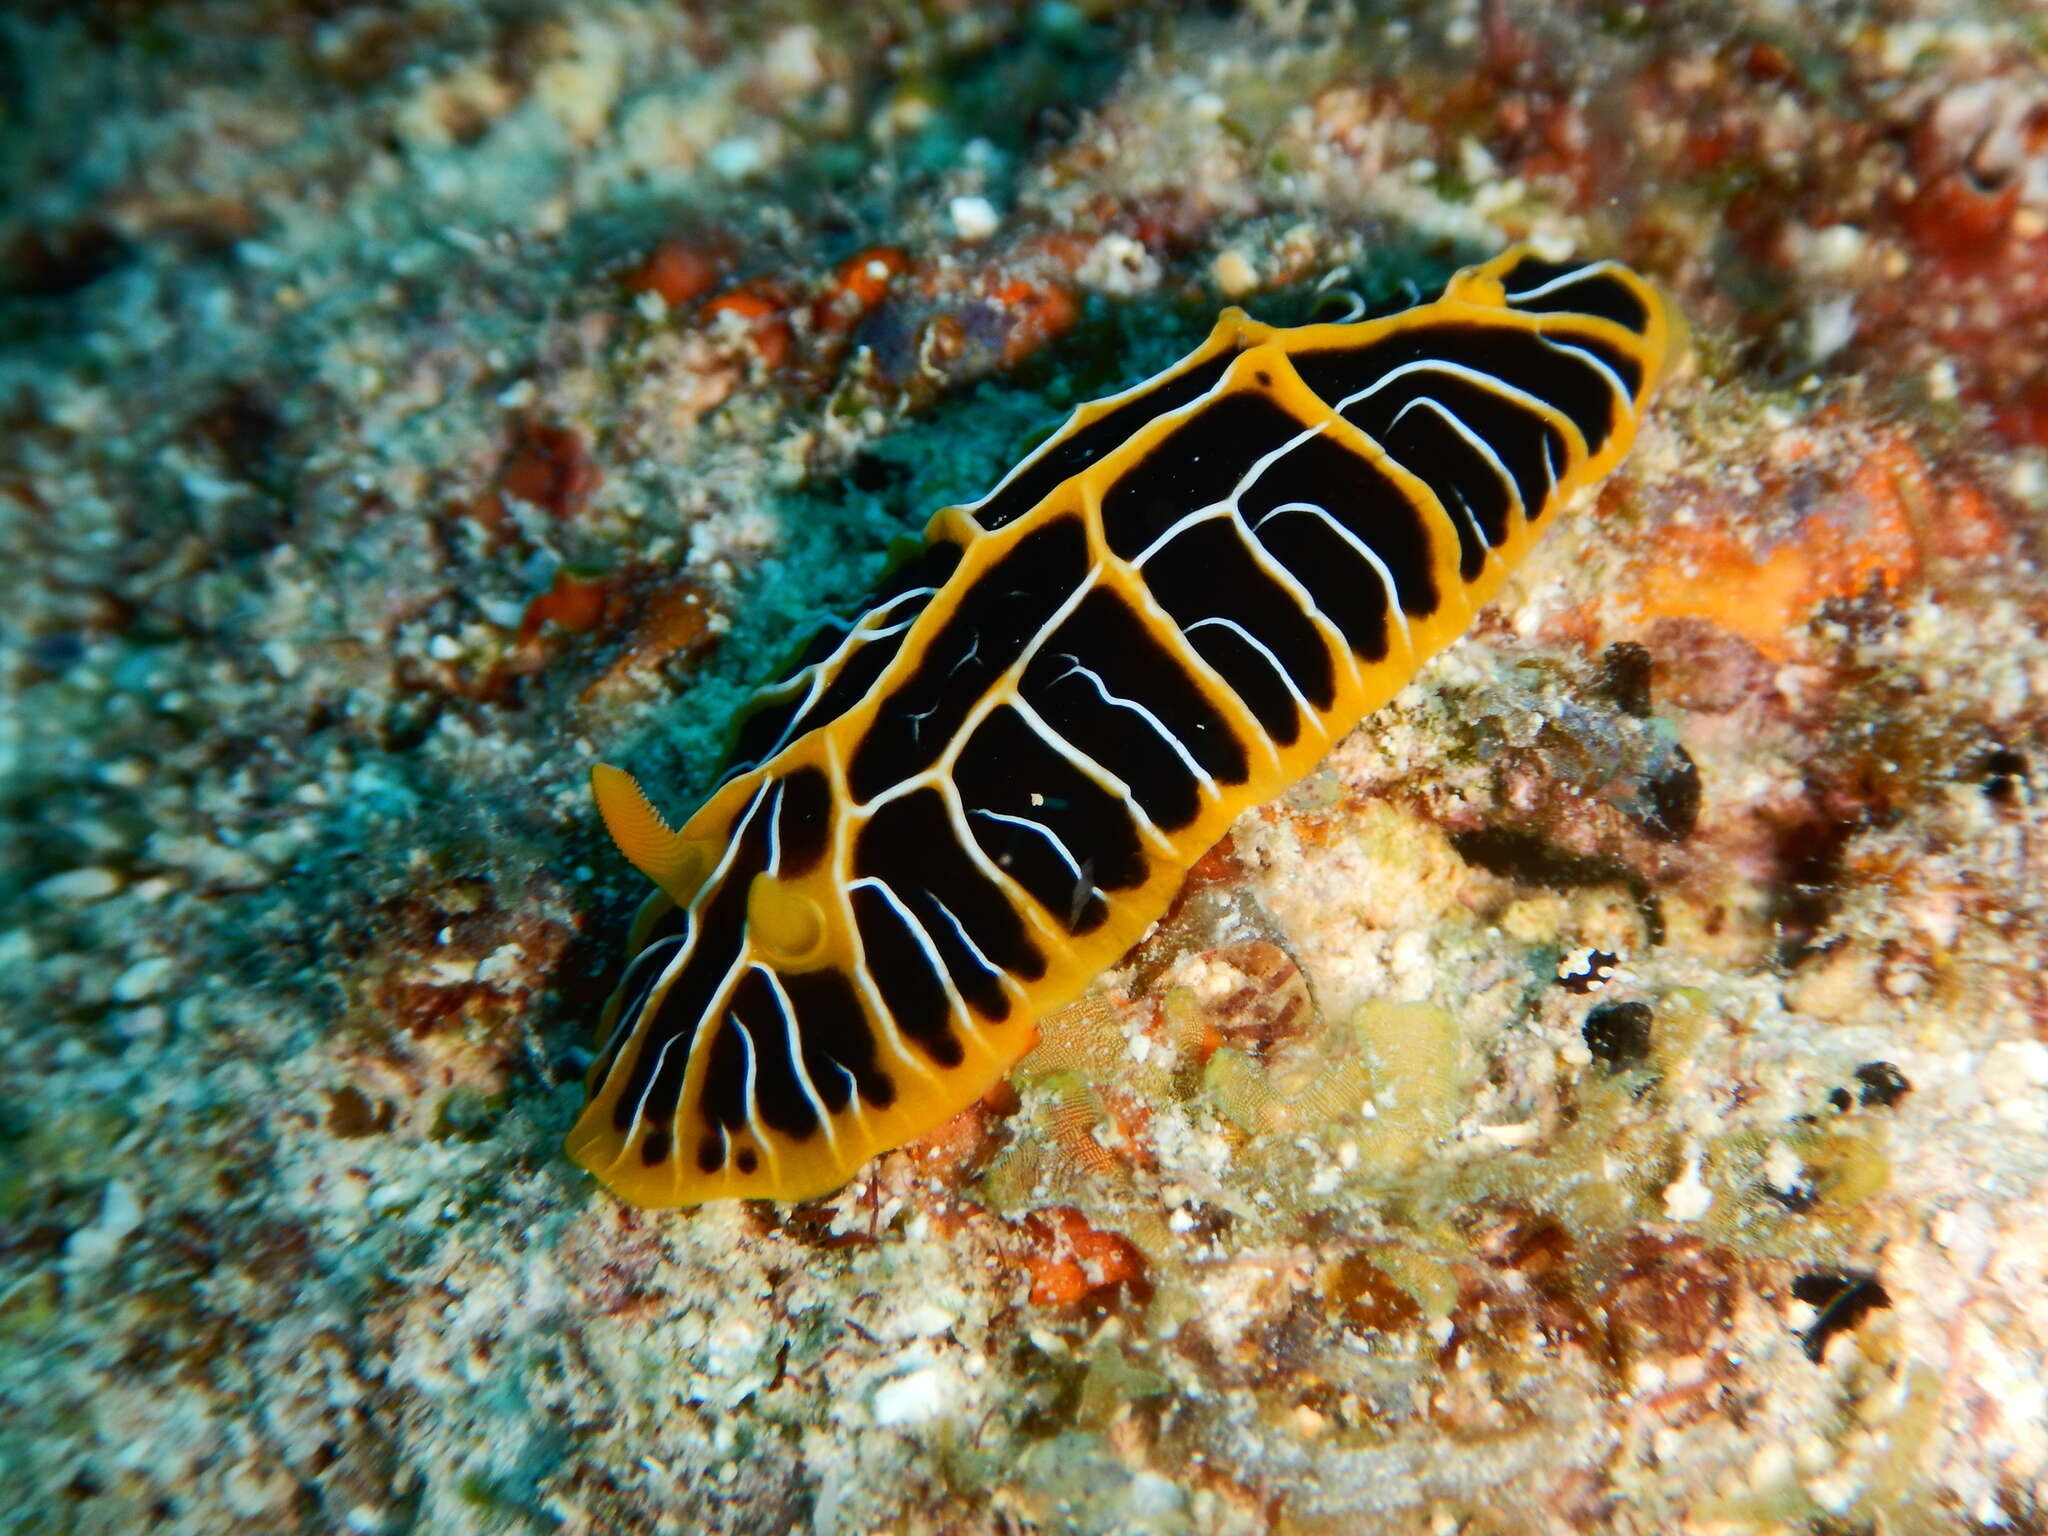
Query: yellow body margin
x=808 y=923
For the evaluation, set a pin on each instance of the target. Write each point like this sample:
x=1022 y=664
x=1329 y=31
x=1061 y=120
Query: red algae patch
x=1709 y=554
x=1072 y=1264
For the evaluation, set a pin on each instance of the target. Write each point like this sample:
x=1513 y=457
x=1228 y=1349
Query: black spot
x=872 y=472
x=839 y=1047
x=711 y=1153
x=350 y=1114
x=1075 y=453
x=1882 y=1084
x=1839 y=1098
x=54 y=262
x=803 y=822
x=654 y=1148
x=1200 y=461
x=911 y=988
x=1810 y=851
x=1801 y=1195
x=745 y=1160
x=1843 y=1300
x=1618 y=1034
x=57 y=652
x=1625 y=677
x=1005 y=608
x=910 y=845
x=1600 y=294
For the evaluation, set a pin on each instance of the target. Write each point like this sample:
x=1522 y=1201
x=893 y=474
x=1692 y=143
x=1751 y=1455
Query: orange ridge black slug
x=958 y=809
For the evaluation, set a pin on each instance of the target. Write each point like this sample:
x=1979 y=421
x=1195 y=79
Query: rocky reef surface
x=1610 y=1095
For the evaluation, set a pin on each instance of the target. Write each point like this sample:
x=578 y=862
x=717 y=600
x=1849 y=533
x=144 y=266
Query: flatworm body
x=958 y=809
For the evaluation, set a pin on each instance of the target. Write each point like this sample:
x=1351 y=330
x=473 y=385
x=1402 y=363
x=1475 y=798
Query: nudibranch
x=956 y=810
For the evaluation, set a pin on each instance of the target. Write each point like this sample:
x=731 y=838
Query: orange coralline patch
x=578 y=600
x=1072 y=1264
x=1219 y=866
x=1359 y=1295
x=952 y=1153
x=1949 y=516
x=1977 y=294
x=1959 y=214
x=678 y=271
x=1038 y=312
x=1132 y=1117
x=995 y=317
x=674 y=622
x=861 y=283
x=1961 y=222
x=1886 y=517
x=549 y=468
x=546 y=467
x=352 y=1114
x=761 y=310
x=917 y=327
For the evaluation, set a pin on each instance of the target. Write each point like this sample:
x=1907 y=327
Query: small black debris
x=1625 y=677
x=1671 y=800
x=1618 y=1034
x=2003 y=773
x=1881 y=1084
x=872 y=472
x=1843 y=1301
